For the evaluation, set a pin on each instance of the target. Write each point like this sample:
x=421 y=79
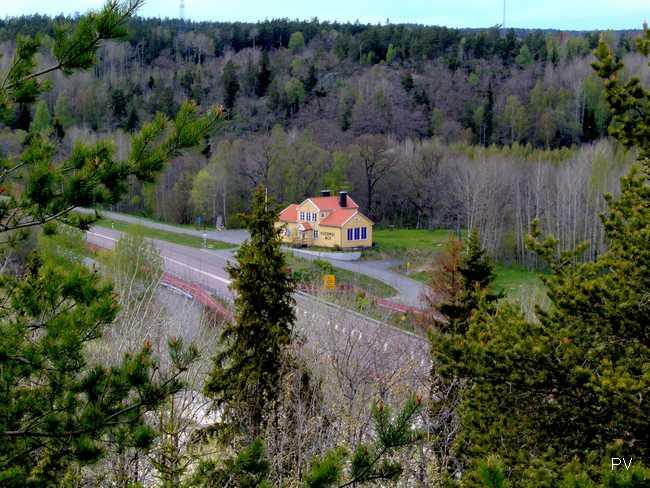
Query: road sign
x=329 y=280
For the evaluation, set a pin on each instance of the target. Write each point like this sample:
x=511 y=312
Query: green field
x=163 y=235
x=519 y=284
x=417 y=248
x=399 y=240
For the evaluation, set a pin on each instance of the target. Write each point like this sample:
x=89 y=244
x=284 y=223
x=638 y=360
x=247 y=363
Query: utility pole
x=181 y=10
x=503 y=23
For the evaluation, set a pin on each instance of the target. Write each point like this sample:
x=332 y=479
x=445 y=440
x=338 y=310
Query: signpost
x=329 y=281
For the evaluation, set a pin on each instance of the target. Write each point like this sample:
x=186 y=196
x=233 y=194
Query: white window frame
x=302 y=216
x=315 y=234
x=364 y=233
x=314 y=217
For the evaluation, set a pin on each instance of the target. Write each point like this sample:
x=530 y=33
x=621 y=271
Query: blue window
x=302 y=216
x=356 y=233
x=364 y=233
x=315 y=234
x=349 y=234
x=313 y=217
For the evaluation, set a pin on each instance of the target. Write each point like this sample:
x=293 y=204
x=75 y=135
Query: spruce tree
x=246 y=374
x=556 y=398
x=462 y=282
x=264 y=75
x=229 y=85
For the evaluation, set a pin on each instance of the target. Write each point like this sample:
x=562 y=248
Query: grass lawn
x=396 y=241
x=312 y=271
x=518 y=283
x=163 y=235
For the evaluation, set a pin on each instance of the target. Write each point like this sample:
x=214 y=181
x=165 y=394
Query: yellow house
x=326 y=221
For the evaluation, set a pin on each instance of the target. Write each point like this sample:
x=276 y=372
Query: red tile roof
x=304 y=226
x=290 y=214
x=338 y=217
x=331 y=203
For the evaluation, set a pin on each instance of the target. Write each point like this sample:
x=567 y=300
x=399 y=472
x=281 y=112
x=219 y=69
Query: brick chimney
x=343 y=199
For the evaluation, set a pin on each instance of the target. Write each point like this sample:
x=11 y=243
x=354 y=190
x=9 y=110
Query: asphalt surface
x=409 y=292
x=379 y=348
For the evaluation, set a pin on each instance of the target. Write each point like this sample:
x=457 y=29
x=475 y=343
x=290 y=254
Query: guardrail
x=199 y=294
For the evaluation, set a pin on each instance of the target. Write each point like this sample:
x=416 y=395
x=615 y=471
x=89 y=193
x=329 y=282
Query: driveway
x=409 y=291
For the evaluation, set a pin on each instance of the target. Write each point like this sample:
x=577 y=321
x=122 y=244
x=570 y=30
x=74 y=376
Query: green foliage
x=246 y=374
x=42 y=121
x=91 y=175
x=493 y=473
x=335 y=179
x=295 y=92
x=525 y=57
x=296 y=42
x=56 y=409
x=391 y=54
x=370 y=462
x=558 y=397
x=136 y=258
x=628 y=101
x=229 y=85
x=58 y=412
x=264 y=75
x=249 y=469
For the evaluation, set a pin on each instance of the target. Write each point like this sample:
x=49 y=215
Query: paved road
x=232 y=236
x=409 y=292
x=331 y=331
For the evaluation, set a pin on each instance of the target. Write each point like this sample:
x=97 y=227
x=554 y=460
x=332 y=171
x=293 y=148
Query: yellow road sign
x=329 y=281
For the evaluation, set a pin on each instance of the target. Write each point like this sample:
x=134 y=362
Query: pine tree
x=264 y=75
x=229 y=85
x=488 y=117
x=42 y=122
x=118 y=106
x=132 y=120
x=57 y=412
x=312 y=78
x=246 y=374
x=371 y=462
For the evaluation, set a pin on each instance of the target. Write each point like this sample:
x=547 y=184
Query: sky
x=555 y=14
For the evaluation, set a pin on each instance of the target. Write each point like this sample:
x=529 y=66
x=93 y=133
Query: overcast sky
x=558 y=14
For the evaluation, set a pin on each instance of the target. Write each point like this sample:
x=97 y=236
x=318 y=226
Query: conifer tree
x=230 y=85
x=264 y=75
x=558 y=397
x=461 y=280
x=246 y=374
x=57 y=411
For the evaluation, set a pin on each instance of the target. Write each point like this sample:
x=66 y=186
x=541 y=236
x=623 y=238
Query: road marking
x=204 y=273
x=101 y=235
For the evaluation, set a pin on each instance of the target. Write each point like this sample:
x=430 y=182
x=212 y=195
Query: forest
x=534 y=147
x=428 y=127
